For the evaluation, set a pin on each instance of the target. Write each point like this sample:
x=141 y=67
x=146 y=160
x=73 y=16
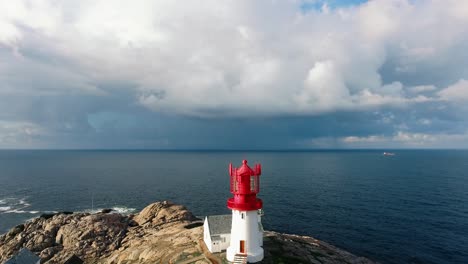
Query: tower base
x=252 y=256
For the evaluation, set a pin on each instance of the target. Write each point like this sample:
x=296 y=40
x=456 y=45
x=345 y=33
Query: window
x=242 y=215
x=252 y=183
x=234 y=183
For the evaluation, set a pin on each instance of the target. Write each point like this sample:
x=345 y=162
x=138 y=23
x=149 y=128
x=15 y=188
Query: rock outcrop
x=162 y=232
x=284 y=248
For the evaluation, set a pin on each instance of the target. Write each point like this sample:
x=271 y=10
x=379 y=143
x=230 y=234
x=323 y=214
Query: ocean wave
x=21 y=212
x=13 y=205
x=4 y=208
x=116 y=209
x=23 y=202
x=124 y=210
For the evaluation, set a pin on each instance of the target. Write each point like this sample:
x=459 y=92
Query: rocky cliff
x=162 y=232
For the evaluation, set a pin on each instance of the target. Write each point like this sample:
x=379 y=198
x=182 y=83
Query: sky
x=233 y=74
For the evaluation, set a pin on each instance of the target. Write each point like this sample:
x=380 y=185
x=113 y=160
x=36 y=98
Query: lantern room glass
x=254 y=184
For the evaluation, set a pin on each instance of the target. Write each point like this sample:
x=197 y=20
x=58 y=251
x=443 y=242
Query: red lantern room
x=245 y=186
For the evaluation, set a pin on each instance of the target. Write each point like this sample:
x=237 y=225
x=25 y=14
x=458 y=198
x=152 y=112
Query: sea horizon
x=235 y=150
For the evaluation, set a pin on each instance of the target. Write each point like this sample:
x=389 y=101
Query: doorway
x=242 y=246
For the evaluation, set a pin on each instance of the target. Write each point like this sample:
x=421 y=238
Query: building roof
x=24 y=256
x=219 y=224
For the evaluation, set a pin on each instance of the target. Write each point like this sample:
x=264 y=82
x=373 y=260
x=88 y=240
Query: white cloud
x=367 y=139
x=456 y=92
x=378 y=19
x=324 y=88
x=413 y=138
x=16 y=16
x=230 y=57
x=422 y=88
x=403 y=139
x=400 y=139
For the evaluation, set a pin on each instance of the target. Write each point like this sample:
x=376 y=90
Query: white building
x=217 y=232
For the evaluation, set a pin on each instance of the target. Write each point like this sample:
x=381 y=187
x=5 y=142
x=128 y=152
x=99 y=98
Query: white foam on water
x=116 y=209
x=123 y=210
x=5 y=208
x=16 y=211
x=12 y=205
x=23 y=202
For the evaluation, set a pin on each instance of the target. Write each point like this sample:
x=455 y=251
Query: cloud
x=16 y=134
x=212 y=60
x=225 y=57
x=413 y=138
x=456 y=92
x=368 y=139
x=425 y=121
x=422 y=88
x=324 y=89
x=25 y=76
x=402 y=139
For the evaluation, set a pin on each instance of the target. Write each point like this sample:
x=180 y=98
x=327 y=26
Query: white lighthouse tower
x=246 y=231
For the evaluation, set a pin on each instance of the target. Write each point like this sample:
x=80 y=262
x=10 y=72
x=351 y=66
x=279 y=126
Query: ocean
x=407 y=208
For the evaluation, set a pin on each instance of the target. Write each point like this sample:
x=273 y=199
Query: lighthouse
x=246 y=228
